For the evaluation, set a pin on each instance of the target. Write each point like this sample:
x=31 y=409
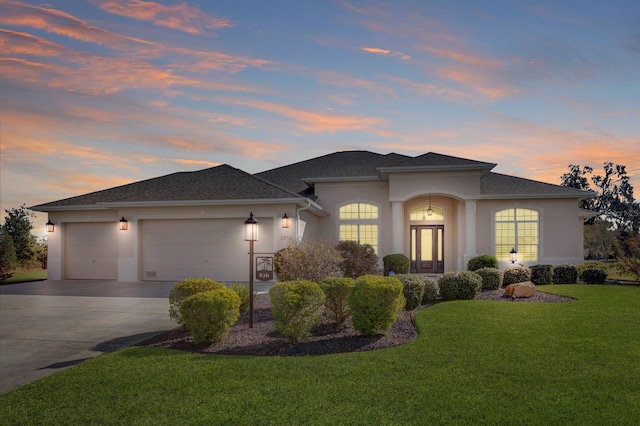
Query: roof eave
x=528 y=196
x=339 y=179
x=462 y=167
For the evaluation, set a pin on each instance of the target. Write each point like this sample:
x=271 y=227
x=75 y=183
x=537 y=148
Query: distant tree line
x=19 y=248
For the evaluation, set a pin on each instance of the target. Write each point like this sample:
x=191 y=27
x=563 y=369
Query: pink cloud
x=379 y=51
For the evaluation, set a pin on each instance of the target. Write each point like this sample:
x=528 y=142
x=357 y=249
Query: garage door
x=200 y=248
x=91 y=251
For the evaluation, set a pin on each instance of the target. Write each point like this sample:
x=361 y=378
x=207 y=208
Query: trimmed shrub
x=242 y=290
x=541 y=274
x=398 y=263
x=565 y=274
x=516 y=274
x=188 y=287
x=461 y=285
x=374 y=303
x=359 y=259
x=313 y=261
x=482 y=261
x=491 y=278
x=296 y=307
x=591 y=264
x=209 y=315
x=430 y=290
x=412 y=290
x=336 y=291
x=594 y=276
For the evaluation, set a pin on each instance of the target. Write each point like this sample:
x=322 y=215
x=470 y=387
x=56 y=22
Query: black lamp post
x=251 y=235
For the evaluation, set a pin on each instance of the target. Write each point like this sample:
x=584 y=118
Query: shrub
x=482 y=261
x=594 y=276
x=412 y=290
x=374 y=303
x=516 y=274
x=491 y=278
x=336 y=291
x=461 y=285
x=541 y=274
x=296 y=307
x=313 y=261
x=8 y=260
x=591 y=264
x=359 y=259
x=430 y=290
x=398 y=263
x=565 y=274
x=242 y=290
x=209 y=315
x=188 y=287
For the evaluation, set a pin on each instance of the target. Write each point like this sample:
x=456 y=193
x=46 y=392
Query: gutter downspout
x=299 y=237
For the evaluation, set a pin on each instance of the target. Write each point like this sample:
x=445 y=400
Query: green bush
x=398 y=263
x=412 y=290
x=482 y=261
x=374 y=303
x=565 y=274
x=242 y=290
x=314 y=261
x=336 y=291
x=461 y=285
x=594 y=276
x=430 y=290
x=491 y=278
x=188 y=287
x=296 y=307
x=8 y=260
x=541 y=274
x=516 y=274
x=209 y=315
x=591 y=264
x=359 y=259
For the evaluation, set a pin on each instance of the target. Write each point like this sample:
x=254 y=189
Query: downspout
x=299 y=237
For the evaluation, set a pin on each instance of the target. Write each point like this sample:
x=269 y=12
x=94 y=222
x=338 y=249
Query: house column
x=397 y=226
x=469 y=230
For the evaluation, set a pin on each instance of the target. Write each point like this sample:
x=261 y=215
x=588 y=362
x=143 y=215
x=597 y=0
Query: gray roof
x=497 y=184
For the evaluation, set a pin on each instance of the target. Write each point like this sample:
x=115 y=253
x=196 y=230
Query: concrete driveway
x=47 y=326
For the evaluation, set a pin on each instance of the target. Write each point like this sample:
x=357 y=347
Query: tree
x=628 y=255
x=17 y=224
x=7 y=255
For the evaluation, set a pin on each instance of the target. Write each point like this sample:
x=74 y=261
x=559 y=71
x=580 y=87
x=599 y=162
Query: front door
x=427 y=249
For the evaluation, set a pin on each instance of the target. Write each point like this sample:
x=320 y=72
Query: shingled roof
x=503 y=186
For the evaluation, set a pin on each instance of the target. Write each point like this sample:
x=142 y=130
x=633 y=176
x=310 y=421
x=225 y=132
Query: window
x=359 y=222
x=517 y=228
x=422 y=213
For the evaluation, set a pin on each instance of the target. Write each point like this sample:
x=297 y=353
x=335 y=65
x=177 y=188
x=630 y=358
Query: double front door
x=427 y=249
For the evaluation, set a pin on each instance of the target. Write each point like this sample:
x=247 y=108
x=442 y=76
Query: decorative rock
x=520 y=290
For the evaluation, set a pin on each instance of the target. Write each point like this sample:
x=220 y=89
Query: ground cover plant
x=474 y=362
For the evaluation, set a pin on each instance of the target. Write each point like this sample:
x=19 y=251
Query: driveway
x=47 y=326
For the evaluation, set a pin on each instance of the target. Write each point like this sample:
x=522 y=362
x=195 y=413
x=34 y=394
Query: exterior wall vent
x=151 y=274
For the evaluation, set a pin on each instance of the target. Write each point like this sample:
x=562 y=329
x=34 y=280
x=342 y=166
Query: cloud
x=379 y=51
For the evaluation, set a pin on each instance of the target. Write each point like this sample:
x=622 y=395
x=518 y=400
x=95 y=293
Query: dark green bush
x=296 y=307
x=430 y=290
x=336 y=291
x=516 y=274
x=188 y=287
x=565 y=274
x=542 y=274
x=461 y=285
x=374 y=303
x=482 y=261
x=591 y=264
x=359 y=259
x=209 y=315
x=398 y=263
x=491 y=278
x=412 y=290
x=242 y=290
x=594 y=276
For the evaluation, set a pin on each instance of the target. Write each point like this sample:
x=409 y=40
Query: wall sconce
x=50 y=226
x=285 y=221
x=123 y=225
x=513 y=255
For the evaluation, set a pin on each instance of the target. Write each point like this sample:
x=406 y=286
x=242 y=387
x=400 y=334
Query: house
x=436 y=209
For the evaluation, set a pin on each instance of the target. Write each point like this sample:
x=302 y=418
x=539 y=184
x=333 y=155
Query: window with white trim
x=359 y=222
x=517 y=228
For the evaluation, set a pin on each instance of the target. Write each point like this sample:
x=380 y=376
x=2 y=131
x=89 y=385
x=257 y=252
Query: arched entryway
x=427 y=232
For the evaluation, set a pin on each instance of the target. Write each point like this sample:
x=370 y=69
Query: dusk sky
x=99 y=93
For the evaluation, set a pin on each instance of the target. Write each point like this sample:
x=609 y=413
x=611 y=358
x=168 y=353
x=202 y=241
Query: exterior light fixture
x=50 y=226
x=251 y=235
x=285 y=221
x=513 y=255
x=429 y=211
x=123 y=225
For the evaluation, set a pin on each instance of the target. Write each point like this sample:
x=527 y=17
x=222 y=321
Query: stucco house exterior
x=436 y=209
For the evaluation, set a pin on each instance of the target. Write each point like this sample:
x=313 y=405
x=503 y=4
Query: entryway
x=427 y=249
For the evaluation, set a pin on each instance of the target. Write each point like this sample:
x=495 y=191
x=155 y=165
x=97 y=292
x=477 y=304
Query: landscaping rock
x=520 y=290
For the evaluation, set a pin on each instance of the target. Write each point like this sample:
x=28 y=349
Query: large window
x=359 y=222
x=517 y=228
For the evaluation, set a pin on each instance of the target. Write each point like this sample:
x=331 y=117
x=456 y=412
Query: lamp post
x=251 y=235
x=513 y=255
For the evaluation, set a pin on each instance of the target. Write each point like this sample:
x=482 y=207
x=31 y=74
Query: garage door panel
x=91 y=251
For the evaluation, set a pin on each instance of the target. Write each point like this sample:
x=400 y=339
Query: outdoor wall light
x=285 y=221
x=123 y=225
x=50 y=226
x=513 y=255
x=429 y=211
x=251 y=235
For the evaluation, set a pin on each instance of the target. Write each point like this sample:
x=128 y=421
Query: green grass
x=26 y=276
x=474 y=362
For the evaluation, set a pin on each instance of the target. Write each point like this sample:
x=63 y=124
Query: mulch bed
x=263 y=340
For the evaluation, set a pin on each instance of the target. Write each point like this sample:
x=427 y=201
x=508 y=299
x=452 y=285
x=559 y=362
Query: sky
x=100 y=93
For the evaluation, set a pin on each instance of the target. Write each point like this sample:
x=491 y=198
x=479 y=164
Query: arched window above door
x=422 y=213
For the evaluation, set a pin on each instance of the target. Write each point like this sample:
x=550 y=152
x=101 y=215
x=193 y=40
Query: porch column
x=469 y=230
x=397 y=226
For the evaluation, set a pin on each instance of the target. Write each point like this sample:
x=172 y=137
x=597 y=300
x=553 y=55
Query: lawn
x=474 y=362
x=26 y=276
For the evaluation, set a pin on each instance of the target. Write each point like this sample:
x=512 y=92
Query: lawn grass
x=26 y=276
x=474 y=362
